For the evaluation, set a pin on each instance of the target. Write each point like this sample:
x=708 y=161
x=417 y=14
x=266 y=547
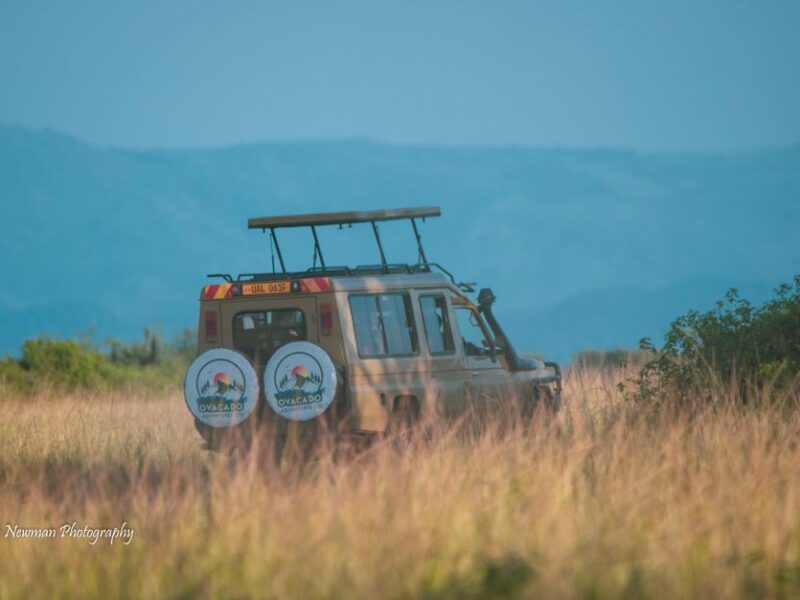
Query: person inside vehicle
x=285 y=328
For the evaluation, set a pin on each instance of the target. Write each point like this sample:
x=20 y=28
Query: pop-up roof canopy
x=341 y=219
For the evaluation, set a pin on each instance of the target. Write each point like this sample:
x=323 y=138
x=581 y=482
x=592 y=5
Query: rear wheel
x=226 y=439
x=403 y=420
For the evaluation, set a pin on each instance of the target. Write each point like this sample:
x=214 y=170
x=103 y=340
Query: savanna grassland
x=611 y=498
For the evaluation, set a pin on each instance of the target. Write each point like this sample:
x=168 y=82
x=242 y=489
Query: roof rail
x=361 y=270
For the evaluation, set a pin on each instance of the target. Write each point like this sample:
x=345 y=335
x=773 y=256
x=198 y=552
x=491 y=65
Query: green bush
x=65 y=363
x=734 y=342
x=146 y=352
x=48 y=363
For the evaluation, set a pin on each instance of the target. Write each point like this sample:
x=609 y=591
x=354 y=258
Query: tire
x=403 y=420
x=300 y=381
x=222 y=393
x=544 y=397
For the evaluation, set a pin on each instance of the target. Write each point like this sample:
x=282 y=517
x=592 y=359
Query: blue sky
x=668 y=76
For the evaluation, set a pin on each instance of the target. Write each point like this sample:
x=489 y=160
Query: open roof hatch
x=373 y=217
x=341 y=219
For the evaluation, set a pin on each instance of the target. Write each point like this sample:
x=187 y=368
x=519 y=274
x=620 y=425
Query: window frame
x=272 y=310
x=481 y=326
x=449 y=324
x=409 y=309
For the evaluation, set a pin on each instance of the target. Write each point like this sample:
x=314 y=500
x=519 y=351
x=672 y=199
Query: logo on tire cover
x=220 y=394
x=220 y=387
x=298 y=387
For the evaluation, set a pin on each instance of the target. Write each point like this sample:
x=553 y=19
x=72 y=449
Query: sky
x=671 y=76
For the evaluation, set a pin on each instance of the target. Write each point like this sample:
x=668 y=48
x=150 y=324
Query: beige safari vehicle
x=364 y=347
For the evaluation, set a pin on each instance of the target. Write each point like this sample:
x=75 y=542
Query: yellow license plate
x=267 y=287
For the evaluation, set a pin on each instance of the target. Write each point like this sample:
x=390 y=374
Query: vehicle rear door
x=257 y=327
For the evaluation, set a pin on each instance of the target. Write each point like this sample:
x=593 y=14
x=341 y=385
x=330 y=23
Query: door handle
x=475 y=373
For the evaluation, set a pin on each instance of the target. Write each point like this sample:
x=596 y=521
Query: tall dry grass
x=606 y=500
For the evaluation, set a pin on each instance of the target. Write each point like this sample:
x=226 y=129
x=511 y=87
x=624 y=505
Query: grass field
x=605 y=500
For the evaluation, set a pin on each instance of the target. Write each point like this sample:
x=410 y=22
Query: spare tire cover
x=300 y=381
x=221 y=387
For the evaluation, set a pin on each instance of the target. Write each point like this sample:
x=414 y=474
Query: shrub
x=48 y=363
x=735 y=341
x=64 y=363
x=146 y=352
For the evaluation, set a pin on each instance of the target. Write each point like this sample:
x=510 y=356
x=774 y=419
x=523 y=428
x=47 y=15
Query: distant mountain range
x=589 y=248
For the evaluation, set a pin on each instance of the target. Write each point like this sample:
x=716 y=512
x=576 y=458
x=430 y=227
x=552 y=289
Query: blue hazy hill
x=589 y=248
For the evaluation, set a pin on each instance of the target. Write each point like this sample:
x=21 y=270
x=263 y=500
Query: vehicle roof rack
x=341 y=219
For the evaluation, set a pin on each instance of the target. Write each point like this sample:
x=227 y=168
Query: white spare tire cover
x=300 y=381
x=221 y=387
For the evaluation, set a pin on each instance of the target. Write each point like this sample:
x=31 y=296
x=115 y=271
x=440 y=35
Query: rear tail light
x=211 y=323
x=326 y=318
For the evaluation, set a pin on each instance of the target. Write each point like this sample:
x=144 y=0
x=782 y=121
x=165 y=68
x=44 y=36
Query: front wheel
x=542 y=397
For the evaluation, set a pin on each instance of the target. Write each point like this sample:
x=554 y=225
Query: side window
x=259 y=333
x=437 y=324
x=384 y=324
x=472 y=334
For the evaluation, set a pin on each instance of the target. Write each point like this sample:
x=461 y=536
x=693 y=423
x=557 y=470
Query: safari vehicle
x=367 y=347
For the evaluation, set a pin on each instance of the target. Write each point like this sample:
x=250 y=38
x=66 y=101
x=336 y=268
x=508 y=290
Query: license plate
x=268 y=287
